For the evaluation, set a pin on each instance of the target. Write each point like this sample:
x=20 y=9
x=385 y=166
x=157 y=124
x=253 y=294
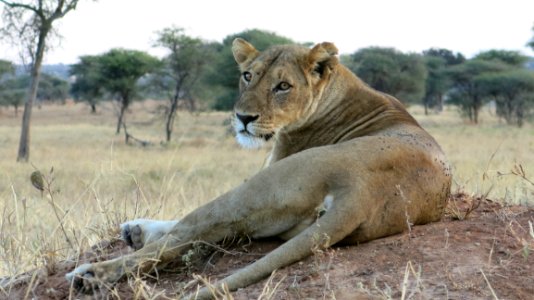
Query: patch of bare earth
x=483 y=256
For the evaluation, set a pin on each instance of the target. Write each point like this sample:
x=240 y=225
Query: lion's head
x=279 y=88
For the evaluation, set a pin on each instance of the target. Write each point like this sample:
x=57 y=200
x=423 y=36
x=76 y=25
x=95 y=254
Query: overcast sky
x=466 y=26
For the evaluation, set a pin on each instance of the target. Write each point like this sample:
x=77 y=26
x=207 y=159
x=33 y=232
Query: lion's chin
x=248 y=141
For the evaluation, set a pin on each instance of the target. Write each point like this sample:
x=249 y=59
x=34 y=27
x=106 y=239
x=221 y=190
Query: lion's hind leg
x=333 y=226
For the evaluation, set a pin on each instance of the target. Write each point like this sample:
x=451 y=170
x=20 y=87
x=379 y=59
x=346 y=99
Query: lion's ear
x=323 y=58
x=243 y=51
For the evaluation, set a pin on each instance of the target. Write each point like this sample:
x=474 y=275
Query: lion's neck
x=348 y=109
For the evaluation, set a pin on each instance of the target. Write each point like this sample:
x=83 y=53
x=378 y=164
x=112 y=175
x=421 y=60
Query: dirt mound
x=479 y=256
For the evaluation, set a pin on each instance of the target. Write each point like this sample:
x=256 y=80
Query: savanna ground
x=98 y=182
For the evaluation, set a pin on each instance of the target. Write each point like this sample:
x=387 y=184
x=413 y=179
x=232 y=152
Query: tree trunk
x=192 y=104
x=174 y=106
x=439 y=109
x=16 y=111
x=93 y=108
x=519 y=121
x=170 y=118
x=509 y=110
x=470 y=113
x=124 y=105
x=426 y=104
x=24 y=144
x=519 y=113
x=476 y=108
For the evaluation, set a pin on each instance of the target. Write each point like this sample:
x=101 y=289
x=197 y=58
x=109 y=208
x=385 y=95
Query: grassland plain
x=98 y=181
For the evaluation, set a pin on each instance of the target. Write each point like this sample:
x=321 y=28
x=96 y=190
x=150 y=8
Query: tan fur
x=334 y=136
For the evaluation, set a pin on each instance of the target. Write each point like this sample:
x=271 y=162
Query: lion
x=348 y=164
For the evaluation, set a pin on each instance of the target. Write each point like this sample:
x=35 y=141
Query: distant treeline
x=202 y=75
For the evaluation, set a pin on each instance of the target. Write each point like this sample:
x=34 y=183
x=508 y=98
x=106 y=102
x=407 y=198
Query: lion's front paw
x=140 y=232
x=87 y=278
x=83 y=279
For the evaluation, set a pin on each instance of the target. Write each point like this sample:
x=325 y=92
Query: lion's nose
x=247 y=118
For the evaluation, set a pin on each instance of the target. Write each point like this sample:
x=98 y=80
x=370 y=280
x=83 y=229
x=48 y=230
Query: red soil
x=479 y=257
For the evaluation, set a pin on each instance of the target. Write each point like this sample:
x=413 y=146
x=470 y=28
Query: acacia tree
x=182 y=69
x=438 y=82
x=86 y=86
x=29 y=24
x=6 y=67
x=13 y=98
x=450 y=58
x=466 y=89
x=119 y=70
x=390 y=71
x=512 y=91
x=506 y=82
x=508 y=57
x=13 y=90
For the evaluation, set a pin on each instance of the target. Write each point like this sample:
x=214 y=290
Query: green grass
x=99 y=181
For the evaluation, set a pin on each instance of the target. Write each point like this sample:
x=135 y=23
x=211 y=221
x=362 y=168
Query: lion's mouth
x=264 y=136
x=267 y=136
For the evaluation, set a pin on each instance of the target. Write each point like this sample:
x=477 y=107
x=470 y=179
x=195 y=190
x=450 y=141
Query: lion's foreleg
x=145 y=260
x=267 y=204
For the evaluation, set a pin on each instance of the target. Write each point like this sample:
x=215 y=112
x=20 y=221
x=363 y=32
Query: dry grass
x=99 y=181
x=484 y=157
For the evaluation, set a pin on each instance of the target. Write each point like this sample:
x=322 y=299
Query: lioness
x=349 y=164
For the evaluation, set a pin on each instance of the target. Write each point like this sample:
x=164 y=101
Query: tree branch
x=60 y=13
x=58 y=10
x=20 y=5
x=41 y=11
x=71 y=5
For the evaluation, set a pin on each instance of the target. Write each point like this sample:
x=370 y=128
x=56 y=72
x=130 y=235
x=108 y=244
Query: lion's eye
x=247 y=76
x=283 y=86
